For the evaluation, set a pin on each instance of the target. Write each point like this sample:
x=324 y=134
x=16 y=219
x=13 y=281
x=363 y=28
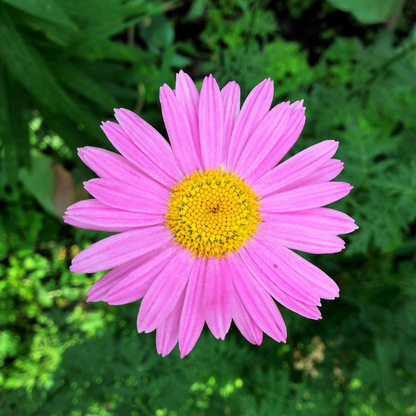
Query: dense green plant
x=73 y=62
x=41 y=302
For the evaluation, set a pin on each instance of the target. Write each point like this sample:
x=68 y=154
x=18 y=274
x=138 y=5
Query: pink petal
x=218 y=293
x=165 y=291
x=126 y=147
x=188 y=97
x=256 y=300
x=300 y=237
x=86 y=226
x=307 y=310
x=184 y=144
x=330 y=170
x=95 y=213
x=279 y=273
x=296 y=168
x=149 y=141
x=324 y=219
x=128 y=197
x=167 y=334
x=192 y=318
x=137 y=283
x=248 y=328
x=120 y=248
x=306 y=197
x=109 y=165
x=287 y=139
x=231 y=100
x=211 y=123
x=101 y=287
x=303 y=272
x=251 y=162
x=255 y=107
x=296 y=106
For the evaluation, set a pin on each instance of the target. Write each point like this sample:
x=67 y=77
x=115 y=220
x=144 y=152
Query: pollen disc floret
x=213 y=212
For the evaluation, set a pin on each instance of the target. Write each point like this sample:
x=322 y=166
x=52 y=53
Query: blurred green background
x=64 y=65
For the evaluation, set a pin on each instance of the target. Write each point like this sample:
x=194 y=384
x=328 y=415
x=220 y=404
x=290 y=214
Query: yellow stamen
x=213 y=213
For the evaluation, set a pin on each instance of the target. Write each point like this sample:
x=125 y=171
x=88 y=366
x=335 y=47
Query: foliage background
x=65 y=65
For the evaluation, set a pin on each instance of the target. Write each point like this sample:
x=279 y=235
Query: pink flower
x=206 y=225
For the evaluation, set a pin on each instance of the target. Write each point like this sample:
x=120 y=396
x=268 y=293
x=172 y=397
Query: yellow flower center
x=213 y=212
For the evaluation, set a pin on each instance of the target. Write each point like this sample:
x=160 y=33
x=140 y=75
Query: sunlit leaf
x=368 y=11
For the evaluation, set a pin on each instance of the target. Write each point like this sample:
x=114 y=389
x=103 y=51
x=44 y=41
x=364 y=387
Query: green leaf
x=40 y=180
x=13 y=128
x=50 y=184
x=100 y=49
x=57 y=34
x=94 y=43
x=196 y=10
x=103 y=13
x=8 y=150
x=157 y=32
x=368 y=11
x=45 y=9
x=28 y=67
x=77 y=80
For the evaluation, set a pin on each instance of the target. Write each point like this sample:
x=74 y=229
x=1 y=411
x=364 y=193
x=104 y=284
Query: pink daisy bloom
x=206 y=224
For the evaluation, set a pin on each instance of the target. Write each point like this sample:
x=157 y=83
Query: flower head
x=206 y=224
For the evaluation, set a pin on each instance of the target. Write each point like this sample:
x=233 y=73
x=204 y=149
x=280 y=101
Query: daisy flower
x=206 y=224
